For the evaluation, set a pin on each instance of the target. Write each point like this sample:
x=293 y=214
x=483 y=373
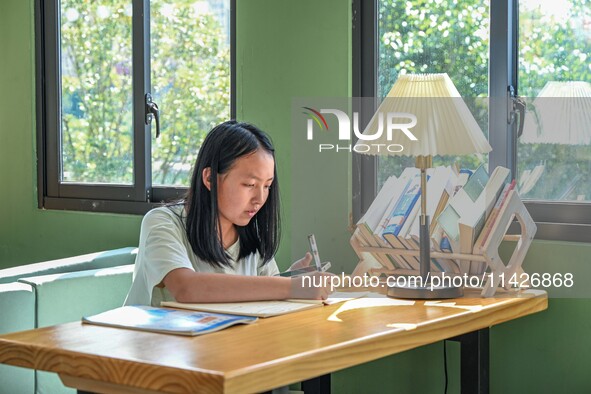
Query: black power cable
x=445 y=364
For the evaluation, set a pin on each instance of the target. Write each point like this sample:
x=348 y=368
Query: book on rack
x=379 y=222
x=400 y=213
x=493 y=218
x=498 y=179
x=486 y=201
x=476 y=183
x=466 y=196
x=469 y=214
x=365 y=235
x=371 y=220
x=450 y=265
x=439 y=186
x=448 y=217
x=376 y=210
x=442 y=244
x=265 y=308
x=166 y=320
x=446 y=220
x=462 y=178
x=413 y=216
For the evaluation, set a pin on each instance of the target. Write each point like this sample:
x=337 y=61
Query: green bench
x=54 y=292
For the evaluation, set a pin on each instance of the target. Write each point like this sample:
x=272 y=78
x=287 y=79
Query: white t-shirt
x=164 y=246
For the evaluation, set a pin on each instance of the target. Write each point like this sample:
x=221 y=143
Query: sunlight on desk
x=370 y=301
x=471 y=308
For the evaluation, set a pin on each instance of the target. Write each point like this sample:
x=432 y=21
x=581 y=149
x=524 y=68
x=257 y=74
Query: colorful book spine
x=404 y=206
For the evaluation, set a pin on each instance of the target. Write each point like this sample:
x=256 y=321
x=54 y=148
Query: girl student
x=228 y=223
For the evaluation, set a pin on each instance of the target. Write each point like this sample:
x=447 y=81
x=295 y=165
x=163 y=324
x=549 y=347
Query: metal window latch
x=515 y=110
x=152 y=111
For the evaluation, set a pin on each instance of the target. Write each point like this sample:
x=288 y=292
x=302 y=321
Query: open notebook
x=265 y=308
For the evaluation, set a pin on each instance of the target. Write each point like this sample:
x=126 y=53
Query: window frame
x=559 y=221
x=139 y=197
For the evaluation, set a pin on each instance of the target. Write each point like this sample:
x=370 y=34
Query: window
x=490 y=49
x=425 y=41
x=127 y=91
x=554 y=63
x=554 y=152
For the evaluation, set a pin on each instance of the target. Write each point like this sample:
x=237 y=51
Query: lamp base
x=426 y=292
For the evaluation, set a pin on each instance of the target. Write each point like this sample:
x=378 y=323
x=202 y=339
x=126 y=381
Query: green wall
x=28 y=234
x=287 y=49
x=310 y=58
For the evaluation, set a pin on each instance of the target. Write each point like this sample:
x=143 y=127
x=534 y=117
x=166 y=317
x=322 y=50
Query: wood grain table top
x=269 y=353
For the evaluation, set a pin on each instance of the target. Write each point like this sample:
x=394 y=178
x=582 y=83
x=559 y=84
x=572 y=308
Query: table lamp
x=444 y=126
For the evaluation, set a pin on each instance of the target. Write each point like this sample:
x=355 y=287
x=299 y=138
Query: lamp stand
x=424 y=289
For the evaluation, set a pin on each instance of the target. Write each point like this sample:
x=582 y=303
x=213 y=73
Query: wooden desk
x=270 y=353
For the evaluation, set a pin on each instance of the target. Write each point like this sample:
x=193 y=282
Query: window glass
x=96 y=138
x=554 y=152
x=190 y=72
x=435 y=36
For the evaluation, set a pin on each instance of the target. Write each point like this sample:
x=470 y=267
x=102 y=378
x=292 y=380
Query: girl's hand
x=314 y=286
x=302 y=263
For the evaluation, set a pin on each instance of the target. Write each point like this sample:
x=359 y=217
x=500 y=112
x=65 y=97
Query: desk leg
x=319 y=385
x=475 y=368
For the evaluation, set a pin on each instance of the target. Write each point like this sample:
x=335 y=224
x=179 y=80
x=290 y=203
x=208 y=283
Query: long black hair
x=224 y=144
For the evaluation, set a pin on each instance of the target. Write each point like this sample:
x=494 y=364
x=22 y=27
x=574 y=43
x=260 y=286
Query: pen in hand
x=314 y=249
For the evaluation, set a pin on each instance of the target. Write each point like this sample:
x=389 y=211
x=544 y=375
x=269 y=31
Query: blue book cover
x=466 y=171
x=166 y=320
x=445 y=245
x=404 y=205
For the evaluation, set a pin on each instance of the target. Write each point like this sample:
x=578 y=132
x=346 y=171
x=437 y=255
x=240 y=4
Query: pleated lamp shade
x=561 y=114
x=445 y=125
